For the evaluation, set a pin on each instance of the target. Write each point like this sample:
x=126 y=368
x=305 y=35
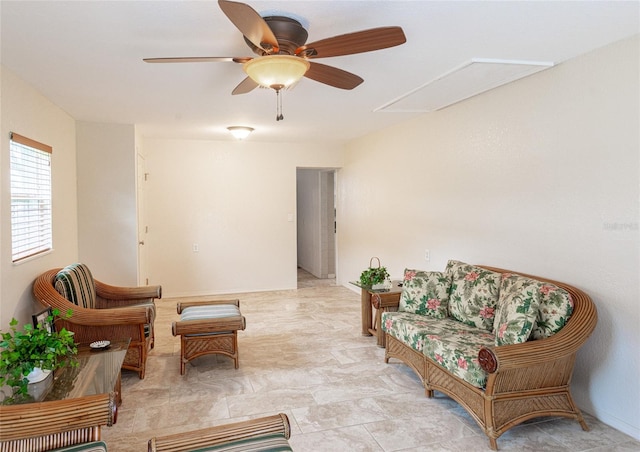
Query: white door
x=143 y=276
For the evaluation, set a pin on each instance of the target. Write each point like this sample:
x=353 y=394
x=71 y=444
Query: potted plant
x=33 y=347
x=375 y=277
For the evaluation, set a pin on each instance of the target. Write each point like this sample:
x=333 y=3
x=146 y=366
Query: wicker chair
x=266 y=433
x=117 y=313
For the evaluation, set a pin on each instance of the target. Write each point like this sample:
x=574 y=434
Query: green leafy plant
x=372 y=276
x=22 y=351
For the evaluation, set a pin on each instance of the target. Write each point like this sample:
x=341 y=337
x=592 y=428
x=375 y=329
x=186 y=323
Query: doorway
x=316 y=222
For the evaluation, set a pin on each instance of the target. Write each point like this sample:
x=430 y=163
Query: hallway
x=306 y=280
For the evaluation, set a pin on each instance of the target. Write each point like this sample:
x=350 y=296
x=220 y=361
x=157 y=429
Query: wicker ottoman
x=208 y=327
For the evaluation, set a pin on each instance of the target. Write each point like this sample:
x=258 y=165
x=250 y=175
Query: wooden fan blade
x=197 y=59
x=357 y=42
x=245 y=86
x=250 y=24
x=332 y=76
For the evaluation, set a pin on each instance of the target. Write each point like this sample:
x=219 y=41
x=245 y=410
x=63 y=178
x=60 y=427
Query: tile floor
x=303 y=354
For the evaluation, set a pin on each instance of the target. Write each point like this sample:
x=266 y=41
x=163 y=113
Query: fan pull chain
x=277 y=88
x=279 y=116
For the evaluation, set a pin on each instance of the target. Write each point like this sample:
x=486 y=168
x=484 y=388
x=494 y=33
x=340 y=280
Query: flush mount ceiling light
x=240 y=132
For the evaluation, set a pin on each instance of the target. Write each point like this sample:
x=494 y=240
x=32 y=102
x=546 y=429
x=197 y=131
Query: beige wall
x=540 y=176
x=107 y=220
x=234 y=200
x=28 y=113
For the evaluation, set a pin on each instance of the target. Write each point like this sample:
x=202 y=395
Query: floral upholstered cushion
x=556 y=306
x=448 y=342
x=455 y=347
x=517 y=309
x=410 y=328
x=474 y=294
x=425 y=293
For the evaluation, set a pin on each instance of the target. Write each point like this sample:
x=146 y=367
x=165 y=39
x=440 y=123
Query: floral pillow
x=556 y=306
x=517 y=309
x=474 y=294
x=425 y=293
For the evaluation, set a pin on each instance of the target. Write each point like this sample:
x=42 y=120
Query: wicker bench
x=208 y=327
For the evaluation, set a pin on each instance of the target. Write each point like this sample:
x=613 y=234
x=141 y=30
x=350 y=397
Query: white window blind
x=30 y=197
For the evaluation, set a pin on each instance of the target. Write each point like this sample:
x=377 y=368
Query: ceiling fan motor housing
x=289 y=32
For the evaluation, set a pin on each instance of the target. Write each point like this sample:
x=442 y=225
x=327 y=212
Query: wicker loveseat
x=101 y=311
x=503 y=345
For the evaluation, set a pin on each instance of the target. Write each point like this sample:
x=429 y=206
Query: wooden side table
x=381 y=300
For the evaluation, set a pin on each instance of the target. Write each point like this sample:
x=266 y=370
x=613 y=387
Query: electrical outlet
x=196 y=248
x=427 y=255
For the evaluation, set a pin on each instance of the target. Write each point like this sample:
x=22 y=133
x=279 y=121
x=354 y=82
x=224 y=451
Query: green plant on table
x=372 y=276
x=22 y=351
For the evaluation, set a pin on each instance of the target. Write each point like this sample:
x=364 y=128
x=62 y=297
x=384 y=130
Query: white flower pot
x=38 y=374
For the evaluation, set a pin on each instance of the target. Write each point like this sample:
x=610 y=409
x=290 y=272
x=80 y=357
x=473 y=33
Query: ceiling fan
x=283 y=54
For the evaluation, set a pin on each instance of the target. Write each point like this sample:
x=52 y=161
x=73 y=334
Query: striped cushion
x=218 y=311
x=210 y=312
x=96 y=446
x=75 y=283
x=264 y=443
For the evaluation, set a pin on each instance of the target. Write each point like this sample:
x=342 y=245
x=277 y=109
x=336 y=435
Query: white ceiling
x=86 y=57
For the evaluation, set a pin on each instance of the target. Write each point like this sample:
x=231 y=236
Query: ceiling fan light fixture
x=240 y=132
x=276 y=70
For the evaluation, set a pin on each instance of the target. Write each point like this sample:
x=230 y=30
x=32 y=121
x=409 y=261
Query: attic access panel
x=467 y=80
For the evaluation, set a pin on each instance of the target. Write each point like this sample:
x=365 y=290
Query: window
x=30 y=197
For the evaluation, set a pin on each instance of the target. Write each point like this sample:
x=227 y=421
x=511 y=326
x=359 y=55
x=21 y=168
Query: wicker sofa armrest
x=531 y=353
x=561 y=345
x=212 y=436
x=181 y=305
